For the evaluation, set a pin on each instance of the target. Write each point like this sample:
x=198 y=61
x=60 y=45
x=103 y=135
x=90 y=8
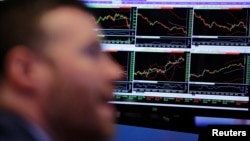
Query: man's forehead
x=68 y=20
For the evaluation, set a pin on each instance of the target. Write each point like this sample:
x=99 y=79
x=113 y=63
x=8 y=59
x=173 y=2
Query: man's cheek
x=84 y=78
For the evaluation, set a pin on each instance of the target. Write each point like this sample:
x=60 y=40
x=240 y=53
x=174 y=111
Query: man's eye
x=92 y=52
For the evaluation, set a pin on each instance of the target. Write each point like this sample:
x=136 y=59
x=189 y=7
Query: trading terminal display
x=230 y=26
x=123 y=59
x=117 y=25
x=165 y=28
x=226 y=73
x=168 y=69
x=182 y=56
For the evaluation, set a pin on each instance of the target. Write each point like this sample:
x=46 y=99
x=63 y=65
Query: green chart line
x=187 y=67
x=132 y=62
x=117 y=16
x=190 y=23
x=248 y=70
x=134 y=18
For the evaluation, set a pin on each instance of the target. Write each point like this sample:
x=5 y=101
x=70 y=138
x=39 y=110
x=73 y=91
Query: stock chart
x=220 y=22
x=167 y=70
x=218 y=68
x=221 y=27
x=162 y=22
x=222 y=74
x=160 y=66
x=117 y=25
x=171 y=26
x=123 y=58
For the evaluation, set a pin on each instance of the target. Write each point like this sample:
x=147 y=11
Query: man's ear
x=19 y=63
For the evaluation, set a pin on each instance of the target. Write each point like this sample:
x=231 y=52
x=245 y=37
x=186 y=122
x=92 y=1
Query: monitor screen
x=187 y=54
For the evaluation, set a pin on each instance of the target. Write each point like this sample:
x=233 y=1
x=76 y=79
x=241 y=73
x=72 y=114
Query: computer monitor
x=191 y=57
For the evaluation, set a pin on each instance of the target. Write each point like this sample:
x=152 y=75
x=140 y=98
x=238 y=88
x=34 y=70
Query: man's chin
x=109 y=131
x=107 y=118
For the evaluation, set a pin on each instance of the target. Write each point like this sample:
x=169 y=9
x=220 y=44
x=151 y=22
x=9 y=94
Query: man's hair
x=19 y=23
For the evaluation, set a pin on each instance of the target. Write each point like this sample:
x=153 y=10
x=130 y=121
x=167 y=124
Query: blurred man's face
x=77 y=77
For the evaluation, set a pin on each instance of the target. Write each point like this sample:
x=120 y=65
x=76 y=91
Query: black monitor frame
x=189 y=40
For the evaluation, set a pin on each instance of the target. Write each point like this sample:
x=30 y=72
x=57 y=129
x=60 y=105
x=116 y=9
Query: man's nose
x=113 y=69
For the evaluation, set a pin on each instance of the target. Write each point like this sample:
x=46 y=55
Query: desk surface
x=132 y=133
